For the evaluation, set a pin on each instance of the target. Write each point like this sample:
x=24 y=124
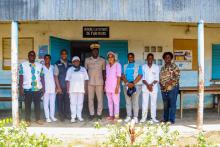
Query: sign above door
x=95 y=32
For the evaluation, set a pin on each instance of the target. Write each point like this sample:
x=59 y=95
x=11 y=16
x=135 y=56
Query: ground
x=84 y=132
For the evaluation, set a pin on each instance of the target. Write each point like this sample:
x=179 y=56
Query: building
x=138 y=26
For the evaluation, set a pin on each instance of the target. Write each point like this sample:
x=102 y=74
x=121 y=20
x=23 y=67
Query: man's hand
x=150 y=87
x=21 y=92
x=130 y=85
x=59 y=91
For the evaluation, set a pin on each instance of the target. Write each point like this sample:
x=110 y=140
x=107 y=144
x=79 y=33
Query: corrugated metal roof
x=125 y=10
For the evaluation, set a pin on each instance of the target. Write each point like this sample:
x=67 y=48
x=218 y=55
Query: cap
x=94 y=46
x=75 y=58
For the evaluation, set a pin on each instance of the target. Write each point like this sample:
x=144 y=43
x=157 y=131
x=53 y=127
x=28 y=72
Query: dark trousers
x=63 y=105
x=30 y=96
x=169 y=102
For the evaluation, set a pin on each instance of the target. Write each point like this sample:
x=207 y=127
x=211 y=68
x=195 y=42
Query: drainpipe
x=201 y=74
x=14 y=72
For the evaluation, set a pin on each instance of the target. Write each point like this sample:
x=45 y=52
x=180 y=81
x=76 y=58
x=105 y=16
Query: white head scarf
x=114 y=54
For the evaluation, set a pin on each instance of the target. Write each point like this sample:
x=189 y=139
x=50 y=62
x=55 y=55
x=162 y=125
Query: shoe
x=39 y=122
x=110 y=118
x=155 y=120
x=68 y=117
x=99 y=117
x=73 y=120
x=91 y=117
x=142 y=120
x=62 y=118
x=80 y=119
x=54 y=119
x=135 y=120
x=127 y=119
x=48 y=120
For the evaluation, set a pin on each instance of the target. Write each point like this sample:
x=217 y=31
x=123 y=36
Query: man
x=31 y=82
x=131 y=78
x=96 y=70
x=169 y=83
x=60 y=70
x=150 y=88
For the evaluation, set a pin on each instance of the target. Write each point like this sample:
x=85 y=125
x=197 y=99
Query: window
x=216 y=62
x=25 y=45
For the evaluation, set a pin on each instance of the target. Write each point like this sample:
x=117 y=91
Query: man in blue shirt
x=131 y=77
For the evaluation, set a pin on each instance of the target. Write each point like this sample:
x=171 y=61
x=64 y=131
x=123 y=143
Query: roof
x=117 y=10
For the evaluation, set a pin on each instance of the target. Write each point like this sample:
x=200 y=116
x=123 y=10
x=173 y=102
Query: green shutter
x=216 y=62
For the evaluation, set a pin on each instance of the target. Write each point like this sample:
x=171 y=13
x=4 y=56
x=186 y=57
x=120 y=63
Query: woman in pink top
x=112 y=85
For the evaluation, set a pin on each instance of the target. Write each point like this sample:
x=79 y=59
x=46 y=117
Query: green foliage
x=202 y=141
x=145 y=135
x=19 y=137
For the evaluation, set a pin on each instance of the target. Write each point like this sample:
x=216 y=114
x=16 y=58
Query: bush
x=19 y=137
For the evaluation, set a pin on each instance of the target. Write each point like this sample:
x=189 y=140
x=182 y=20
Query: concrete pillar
x=201 y=74
x=14 y=72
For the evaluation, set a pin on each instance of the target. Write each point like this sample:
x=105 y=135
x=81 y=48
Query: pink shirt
x=111 y=76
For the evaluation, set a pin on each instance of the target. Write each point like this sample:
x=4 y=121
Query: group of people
x=69 y=81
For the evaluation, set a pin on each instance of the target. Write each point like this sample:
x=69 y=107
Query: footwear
x=62 y=118
x=80 y=119
x=110 y=118
x=54 y=119
x=39 y=122
x=127 y=119
x=155 y=120
x=91 y=117
x=48 y=120
x=99 y=117
x=68 y=117
x=73 y=120
x=135 y=120
x=142 y=120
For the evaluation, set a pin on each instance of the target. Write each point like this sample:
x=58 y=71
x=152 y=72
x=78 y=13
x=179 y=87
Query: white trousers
x=76 y=104
x=145 y=99
x=49 y=105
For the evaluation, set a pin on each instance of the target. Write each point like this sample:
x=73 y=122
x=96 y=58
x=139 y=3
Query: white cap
x=75 y=58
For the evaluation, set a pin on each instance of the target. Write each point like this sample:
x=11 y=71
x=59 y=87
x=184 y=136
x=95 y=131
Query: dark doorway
x=81 y=49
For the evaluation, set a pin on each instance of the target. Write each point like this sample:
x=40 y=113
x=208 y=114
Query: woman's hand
x=117 y=89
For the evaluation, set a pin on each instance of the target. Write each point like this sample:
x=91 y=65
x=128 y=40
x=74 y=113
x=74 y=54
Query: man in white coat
x=150 y=88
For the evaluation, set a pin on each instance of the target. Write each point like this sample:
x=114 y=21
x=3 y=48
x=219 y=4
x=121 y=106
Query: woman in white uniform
x=50 y=95
x=75 y=79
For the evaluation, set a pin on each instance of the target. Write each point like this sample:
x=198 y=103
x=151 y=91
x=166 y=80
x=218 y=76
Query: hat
x=94 y=46
x=131 y=91
x=75 y=58
x=114 y=54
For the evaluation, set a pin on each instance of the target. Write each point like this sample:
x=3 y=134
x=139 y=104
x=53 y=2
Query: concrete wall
x=138 y=34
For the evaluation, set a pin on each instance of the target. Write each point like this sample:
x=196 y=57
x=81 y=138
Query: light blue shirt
x=129 y=72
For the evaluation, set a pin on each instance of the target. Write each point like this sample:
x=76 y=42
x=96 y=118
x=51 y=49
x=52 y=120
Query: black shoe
x=68 y=117
x=91 y=117
x=99 y=117
x=62 y=118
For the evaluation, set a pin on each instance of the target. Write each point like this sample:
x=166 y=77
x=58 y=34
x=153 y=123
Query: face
x=95 y=53
x=111 y=58
x=167 y=59
x=76 y=62
x=130 y=58
x=63 y=55
x=150 y=59
x=31 y=57
x=47 y=60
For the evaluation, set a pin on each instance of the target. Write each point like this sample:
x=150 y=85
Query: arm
x=56 y=73
x=68 y=86
x=118 y=85
x=21 y=89
x=42 y=81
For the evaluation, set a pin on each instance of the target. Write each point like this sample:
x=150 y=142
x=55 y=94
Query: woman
x=75 y=79
x=50 y=95
x=169 y=83
x=112 y=85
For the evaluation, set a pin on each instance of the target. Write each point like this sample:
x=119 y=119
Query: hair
x=31 y=52
x=47 y=55
x=150 y=54
x=130 y=54
x=168 y=53
x=63 y=50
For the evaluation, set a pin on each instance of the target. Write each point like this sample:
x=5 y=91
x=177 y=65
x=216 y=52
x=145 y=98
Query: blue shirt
x=129 y=72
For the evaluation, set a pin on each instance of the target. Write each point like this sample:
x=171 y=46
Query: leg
x=173 y=98
x=60 y=106
x=79 y=106
x=46 y=104
x=135 y=101
x=52 y=105
x=66 y=105
x=110 y=104
x=145 y=99
x=116 y=101
x=73 y=103
x=91 y=95
x=28 y=100
x=153 y=97
x=128 y=102
x=165 y=106
x=99 y=94
x=37 y=99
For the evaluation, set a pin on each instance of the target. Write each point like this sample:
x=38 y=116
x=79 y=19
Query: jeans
x=169 y=102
